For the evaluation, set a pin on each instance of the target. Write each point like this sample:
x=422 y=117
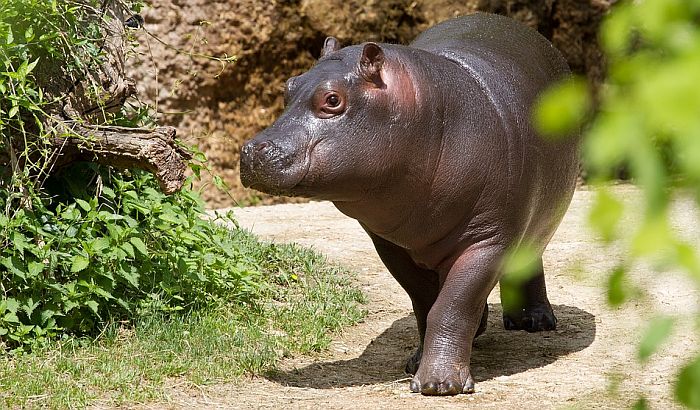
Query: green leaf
x=93 y=305
x=21 y=72
x=605 y=214
x=200 y=276
x=103 y=293
x=11 y=317
x=30 y=67
x=658 y=331
x=560 y=109
x=654 y=237
x=615 y=31
x=617 y=288
x=687 y=257
x=169 y=216
x=35 y=268
x=10 y=305
x=182 y=266
x=69 y=305
x=647 y=166
x=99 y=244
x=139 y=245
x=19 y=241
x=130 y=274
x=78 y=263
x=108 y=192
x=219 y=183
x=108 y=216
x=687 y=388
x=47 y=314
x=126 y=246
x=71 y=214
x=520 y=264
x=29 y=34
x=610 y=139
x=83 y=204
x=115 y=231
x=14 y=265
x=29 y=306
x=123 y=304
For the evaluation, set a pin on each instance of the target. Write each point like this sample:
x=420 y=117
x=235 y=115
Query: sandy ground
x=575 y=366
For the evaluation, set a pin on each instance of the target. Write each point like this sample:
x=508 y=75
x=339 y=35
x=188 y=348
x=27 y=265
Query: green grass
x=303 y=301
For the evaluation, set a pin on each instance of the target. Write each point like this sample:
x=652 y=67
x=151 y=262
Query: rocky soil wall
x=218 y=107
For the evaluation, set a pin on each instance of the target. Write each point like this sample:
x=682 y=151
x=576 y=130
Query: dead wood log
x=153 y=150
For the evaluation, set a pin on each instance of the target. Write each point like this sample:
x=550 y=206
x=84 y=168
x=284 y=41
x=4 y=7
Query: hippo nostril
x=262 y=146
x=256 y=151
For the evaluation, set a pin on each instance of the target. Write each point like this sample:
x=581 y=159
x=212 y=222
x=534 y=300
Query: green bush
x=59 y=39
x=68 y=265
x=90 y=245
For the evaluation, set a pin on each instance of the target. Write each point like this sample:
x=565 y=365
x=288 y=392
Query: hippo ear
x=371 y=64
x=330 y=45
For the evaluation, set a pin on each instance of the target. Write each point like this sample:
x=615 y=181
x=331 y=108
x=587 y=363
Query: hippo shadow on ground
x=497 y=352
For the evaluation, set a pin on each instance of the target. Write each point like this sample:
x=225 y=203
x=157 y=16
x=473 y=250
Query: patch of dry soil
x=570 y=367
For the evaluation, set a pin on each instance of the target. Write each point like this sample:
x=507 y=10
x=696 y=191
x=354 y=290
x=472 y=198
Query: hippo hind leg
x=531 y=311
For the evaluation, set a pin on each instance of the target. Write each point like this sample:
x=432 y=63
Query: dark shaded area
x=571 y=25
x=497 y=352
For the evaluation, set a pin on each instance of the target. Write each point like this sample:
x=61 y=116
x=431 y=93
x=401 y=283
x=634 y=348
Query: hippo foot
x=533 y=319
x=443 y=381
x=413 y=362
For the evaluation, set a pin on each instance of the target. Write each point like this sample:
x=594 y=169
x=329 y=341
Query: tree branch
x=153 y=150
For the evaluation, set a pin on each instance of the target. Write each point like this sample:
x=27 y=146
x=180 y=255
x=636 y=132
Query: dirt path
x=571 y=367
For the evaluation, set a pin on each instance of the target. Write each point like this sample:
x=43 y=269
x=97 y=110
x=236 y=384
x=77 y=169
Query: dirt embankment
x=274 y=40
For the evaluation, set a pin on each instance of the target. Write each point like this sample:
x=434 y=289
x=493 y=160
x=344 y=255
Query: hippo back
x=490 y=47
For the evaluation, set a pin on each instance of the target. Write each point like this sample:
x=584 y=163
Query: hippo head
x=344 y=121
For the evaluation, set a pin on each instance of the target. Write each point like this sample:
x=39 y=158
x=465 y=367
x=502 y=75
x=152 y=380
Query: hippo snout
x=270 y=166
x=255 y=152
x=256 y=159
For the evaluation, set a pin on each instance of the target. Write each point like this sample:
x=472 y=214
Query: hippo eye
x=333 y=100
x=331 y=105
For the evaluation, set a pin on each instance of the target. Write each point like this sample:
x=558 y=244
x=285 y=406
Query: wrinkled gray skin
x=430 y=147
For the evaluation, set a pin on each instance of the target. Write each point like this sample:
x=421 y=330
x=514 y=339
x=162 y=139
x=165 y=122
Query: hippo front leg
x=422 y=286
x=453 y=322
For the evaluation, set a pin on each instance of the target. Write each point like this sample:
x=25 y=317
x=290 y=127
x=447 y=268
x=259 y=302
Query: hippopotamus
x=432 y=148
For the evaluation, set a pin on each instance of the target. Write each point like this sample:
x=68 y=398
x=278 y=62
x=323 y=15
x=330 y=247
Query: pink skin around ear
x=390 y=76
x=371 y=64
